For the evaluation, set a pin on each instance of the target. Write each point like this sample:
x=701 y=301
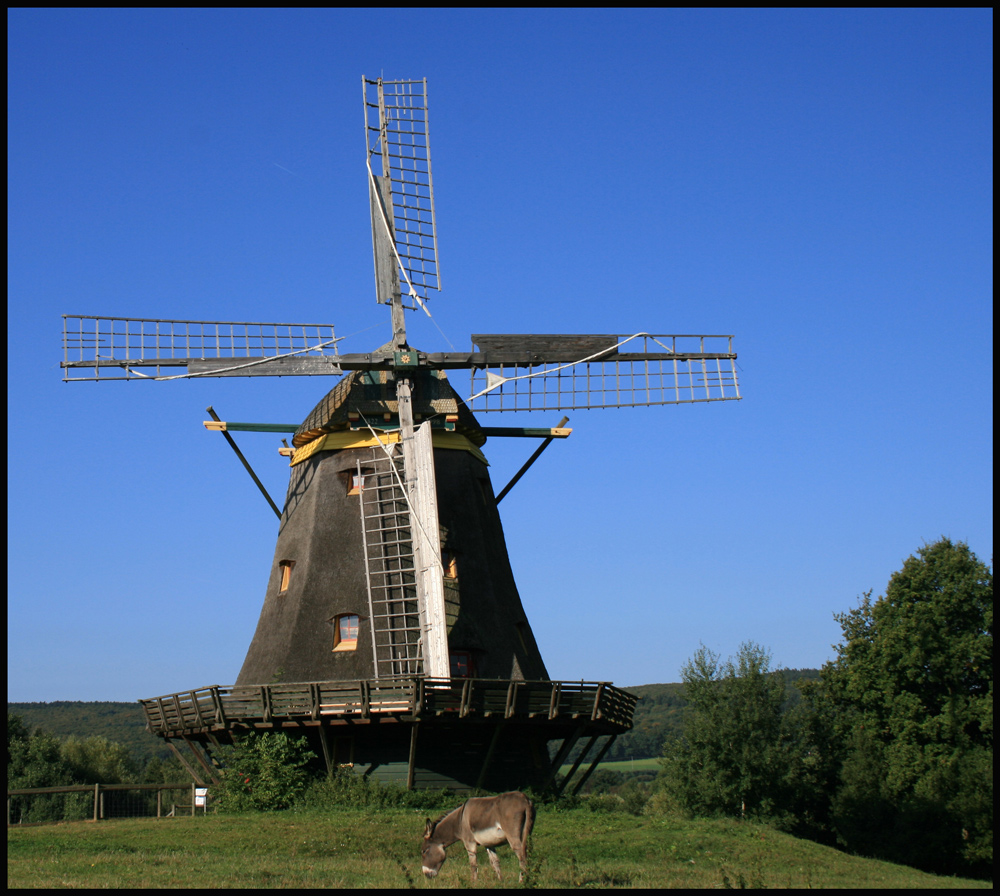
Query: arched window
x=345 y=632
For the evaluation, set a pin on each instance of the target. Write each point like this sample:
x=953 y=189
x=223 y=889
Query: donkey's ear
x=428 y=827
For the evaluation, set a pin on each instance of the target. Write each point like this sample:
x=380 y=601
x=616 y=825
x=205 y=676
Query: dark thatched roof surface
x=372 y=393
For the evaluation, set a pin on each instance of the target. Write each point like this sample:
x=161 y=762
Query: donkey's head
x=432 y=853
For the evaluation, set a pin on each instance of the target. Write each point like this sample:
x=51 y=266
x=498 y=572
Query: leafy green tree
x=96 y=760
x=731 y=759
x=912 y=690
x=34 y=759
x=264 y=772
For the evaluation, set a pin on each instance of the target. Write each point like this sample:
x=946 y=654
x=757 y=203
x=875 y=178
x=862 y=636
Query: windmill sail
x=545 y=373
x=125 y=348
x=397 y=131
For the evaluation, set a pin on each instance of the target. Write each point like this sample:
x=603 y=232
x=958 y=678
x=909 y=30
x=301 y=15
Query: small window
x=450 y=563
x=286 y=574
x=345 y=632
x=356 y=481
x=462 y=664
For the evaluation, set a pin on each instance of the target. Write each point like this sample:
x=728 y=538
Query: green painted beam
x=499 y=431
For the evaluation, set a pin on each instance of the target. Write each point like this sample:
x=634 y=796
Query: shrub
x=346 y=788
x=264 y=772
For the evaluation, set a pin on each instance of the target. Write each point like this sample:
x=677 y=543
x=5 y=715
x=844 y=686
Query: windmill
x=392 y=634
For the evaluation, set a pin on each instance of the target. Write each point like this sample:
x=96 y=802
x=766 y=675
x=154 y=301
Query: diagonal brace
x=232 y=444
x=529 y=462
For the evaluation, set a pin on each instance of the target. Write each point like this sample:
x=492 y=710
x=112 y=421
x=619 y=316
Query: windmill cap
x=372 y=395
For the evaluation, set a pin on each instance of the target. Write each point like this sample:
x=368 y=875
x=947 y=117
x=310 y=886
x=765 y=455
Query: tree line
x=37 y=758
x=889 y=753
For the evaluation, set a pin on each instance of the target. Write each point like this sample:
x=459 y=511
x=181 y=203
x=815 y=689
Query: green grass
x=359 y=848
x=623 y=765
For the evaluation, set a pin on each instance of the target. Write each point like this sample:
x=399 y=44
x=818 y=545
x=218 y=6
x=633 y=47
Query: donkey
x=482 y=821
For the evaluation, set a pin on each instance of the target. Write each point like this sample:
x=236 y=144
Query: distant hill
x=661 y=710
x=659 y=713
x=123 y=723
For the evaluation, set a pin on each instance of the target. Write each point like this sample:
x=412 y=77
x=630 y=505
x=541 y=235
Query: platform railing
x=221 y=707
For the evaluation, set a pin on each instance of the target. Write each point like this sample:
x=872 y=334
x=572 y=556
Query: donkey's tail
x=529 y=822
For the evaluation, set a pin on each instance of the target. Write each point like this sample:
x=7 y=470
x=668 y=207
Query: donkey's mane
x=441 y=818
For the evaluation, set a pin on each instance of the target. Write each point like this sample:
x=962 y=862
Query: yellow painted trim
x=338 y=441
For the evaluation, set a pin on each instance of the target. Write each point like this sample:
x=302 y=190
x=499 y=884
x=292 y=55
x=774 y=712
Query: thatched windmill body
x=392 y=633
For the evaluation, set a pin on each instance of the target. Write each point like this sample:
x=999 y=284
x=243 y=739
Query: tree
x=912 y=690
x=730 y=759
x=34 y=758
x=96 y=760
x=264 y=772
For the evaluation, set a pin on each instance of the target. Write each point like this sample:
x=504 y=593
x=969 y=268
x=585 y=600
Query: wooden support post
x=97 y=798
x=489 y=756
x=576 y=765
x=511 y=706
x=554 y=699
x=596 y=711
x=220 y=712
x=563 y=754
x=411 y=765
x=327 y=758
x=594 y=764
x=205 y=764
x=197 y=709
x=184 y=762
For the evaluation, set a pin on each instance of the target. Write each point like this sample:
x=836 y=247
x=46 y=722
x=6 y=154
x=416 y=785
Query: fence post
x=192 y=798
x=97 y=797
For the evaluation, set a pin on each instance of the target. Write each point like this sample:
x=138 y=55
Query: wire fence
x=97 y=802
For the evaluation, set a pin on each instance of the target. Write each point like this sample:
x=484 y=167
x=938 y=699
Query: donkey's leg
x=494 y=861
x=521 y=851
x=472 y=861
x=519 y=844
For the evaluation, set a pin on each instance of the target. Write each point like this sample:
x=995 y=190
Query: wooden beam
x=411 y=763
x=327 y=758
x=205 y=764
x=531 y=460
x=521 y=432
x=563 y=754
x=576 y=765
x=229 y=426
x=594 y=764
x=246 y=464
x=185 y=763
x=489 y=756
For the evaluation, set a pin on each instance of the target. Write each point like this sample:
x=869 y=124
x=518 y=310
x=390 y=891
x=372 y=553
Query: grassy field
x=358 y=848
x=623 y=765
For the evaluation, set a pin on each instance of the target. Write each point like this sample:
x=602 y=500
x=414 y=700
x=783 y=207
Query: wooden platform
x=218 y=708
x=461 y=734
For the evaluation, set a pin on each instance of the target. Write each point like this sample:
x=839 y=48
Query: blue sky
x=817 y=183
